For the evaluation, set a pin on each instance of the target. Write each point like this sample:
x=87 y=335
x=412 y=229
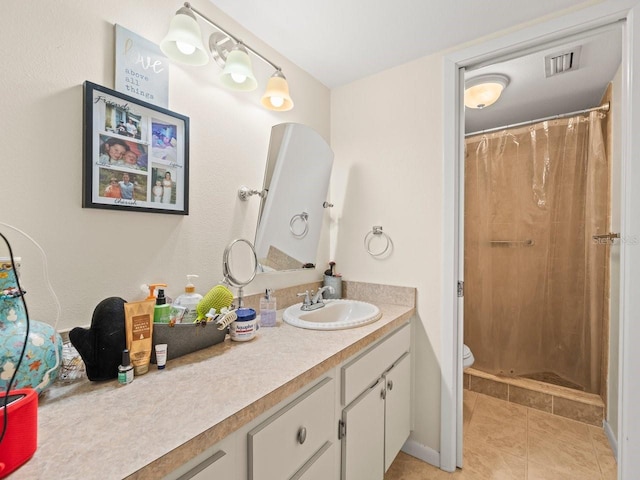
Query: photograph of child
x=164 y=142
x=122 y=185
x=122 y=121
x=111 y=150
x=113 y=189
x=164 y=190
x=117 y=152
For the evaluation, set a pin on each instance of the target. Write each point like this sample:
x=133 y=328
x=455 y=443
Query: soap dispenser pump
x=268 y=309
x=162 y=310
x=189 y=299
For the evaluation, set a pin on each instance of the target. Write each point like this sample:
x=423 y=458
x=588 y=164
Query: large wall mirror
x=296 y=181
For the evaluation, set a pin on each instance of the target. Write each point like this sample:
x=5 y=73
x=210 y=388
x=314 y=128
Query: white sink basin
x=335 y=315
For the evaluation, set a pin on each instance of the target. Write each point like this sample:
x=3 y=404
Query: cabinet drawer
x=282 y=444
x=363 y=370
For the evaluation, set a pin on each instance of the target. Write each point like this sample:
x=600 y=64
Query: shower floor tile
x=503 y=440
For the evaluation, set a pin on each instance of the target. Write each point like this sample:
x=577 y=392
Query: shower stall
x=537 y=251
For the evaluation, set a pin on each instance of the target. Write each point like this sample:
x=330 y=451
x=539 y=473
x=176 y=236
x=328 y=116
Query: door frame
x=517 y=44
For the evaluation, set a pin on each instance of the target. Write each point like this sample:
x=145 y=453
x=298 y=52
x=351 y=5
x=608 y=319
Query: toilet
x=467 y=357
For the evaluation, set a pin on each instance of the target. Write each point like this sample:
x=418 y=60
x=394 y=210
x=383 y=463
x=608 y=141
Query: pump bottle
x=189 y=299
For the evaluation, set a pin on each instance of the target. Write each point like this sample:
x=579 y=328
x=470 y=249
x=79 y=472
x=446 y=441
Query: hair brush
x=218 y=297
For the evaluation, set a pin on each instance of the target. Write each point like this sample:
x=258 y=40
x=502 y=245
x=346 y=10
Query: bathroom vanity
x=292 y=403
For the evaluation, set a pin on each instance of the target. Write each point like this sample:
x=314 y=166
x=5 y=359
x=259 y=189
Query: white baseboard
x=422 y=452
x=613 y=441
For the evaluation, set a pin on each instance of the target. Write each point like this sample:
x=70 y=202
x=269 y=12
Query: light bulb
x=238 y=78
x=276 y=101
x=185 y=48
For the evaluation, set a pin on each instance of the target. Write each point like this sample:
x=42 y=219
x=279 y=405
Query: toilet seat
x=467 y=357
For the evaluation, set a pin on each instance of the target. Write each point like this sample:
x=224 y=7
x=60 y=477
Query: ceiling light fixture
x=484 y=90
x=183 y=43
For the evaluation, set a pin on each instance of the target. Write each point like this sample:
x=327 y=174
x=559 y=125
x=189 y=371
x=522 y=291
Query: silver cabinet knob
x=390 y=384
x=302 y=435
x=383 y=393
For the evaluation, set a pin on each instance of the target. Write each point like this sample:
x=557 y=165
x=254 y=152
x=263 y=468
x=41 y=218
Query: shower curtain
x=534 y=300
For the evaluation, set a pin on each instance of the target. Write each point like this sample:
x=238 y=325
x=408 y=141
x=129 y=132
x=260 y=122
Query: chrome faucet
x=317 y=298
x=315 y=302
x=306 y=304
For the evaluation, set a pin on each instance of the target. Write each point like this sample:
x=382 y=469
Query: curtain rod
x=604 y=107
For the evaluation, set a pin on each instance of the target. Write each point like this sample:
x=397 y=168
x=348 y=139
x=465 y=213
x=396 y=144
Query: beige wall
x=386 y=135
x=49 y=50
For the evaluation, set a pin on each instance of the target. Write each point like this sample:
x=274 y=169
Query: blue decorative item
x=43 y=353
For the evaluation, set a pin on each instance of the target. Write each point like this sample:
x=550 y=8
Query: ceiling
x=341 y=41
x=531 y=95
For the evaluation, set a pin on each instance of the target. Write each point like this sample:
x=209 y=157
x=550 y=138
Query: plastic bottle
x=162 y=310
x=189 y=299
x=268 y=310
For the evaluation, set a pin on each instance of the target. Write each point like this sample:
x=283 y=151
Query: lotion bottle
x=162 y=310
x=189 y=299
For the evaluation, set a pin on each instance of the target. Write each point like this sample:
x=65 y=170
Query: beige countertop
x=150 y=427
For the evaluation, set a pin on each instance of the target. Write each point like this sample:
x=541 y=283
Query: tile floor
x=505 y=440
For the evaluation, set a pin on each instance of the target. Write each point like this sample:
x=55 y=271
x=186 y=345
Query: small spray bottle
x=162 y=310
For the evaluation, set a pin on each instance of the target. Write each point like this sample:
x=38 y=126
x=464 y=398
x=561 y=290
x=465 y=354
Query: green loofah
x=218 y=297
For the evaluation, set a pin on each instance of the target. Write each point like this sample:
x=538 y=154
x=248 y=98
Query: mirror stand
x=247 y=265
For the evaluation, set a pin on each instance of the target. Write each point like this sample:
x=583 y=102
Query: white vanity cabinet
x=297 y=441
x=348 y=424
x=376 y=390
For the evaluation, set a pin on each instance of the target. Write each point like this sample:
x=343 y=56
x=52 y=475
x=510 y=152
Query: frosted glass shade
x=485 y=90
x=276 y=96
x=237 y=73
x=183 y=42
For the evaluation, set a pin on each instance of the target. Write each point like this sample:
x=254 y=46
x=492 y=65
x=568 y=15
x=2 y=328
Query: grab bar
x=606 y=236
x=512 y=243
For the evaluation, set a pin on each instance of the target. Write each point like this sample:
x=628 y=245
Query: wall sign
x=142 y=71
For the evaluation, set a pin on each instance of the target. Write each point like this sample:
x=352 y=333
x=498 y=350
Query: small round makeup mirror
x=239 y=265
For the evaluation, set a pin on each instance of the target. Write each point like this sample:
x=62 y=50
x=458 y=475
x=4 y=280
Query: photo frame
x=136 y=155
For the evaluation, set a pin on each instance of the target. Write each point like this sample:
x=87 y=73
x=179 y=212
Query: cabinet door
x=282 y=444
x=363 y=442
x=398 y=408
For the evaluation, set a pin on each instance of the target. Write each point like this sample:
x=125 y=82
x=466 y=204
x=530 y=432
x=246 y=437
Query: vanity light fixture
x=484 y=90
x=276 y=96
x=183 y=43
x=237 y=73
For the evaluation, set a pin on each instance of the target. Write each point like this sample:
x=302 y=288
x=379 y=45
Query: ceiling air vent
x=558 y=63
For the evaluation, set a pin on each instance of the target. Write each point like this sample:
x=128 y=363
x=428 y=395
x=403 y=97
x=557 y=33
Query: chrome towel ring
x=376 y=231
x=300 y=217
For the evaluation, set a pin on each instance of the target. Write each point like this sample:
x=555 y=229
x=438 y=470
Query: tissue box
x=21 y=437
x=183 y=338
